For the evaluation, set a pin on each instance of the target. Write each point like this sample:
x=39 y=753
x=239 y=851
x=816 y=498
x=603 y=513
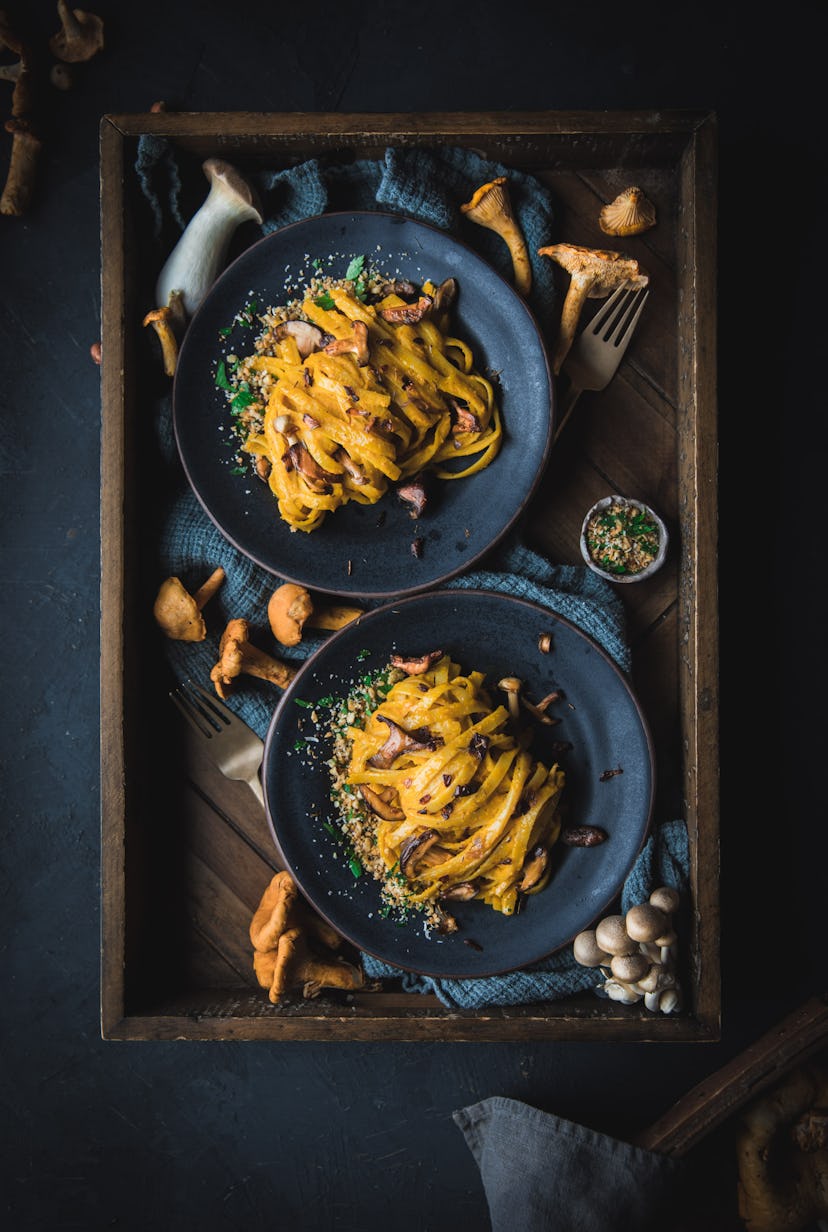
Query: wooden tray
x=185 y=853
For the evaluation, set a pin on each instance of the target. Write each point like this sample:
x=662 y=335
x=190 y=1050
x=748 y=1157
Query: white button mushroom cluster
x=636 y=953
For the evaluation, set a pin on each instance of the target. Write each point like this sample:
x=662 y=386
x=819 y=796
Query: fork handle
x=255 y=785
x=568 y=401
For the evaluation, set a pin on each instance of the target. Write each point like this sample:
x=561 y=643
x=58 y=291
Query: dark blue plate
x=367 y=550
x=600 y=718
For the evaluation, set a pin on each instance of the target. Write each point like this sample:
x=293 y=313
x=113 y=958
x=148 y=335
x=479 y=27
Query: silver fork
x=598 y=350
x=233 y=746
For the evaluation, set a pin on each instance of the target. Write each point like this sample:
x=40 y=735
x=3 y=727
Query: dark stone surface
x=314 y=1136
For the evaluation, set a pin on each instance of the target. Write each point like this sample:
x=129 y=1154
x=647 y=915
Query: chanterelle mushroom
x=294 y=947
x=629 y=214
x=491 y=207
x=593 y=274
x=238 y=656
x=178 y=612
x=26 y=144
x=81 y=35
x=291 y=608
x=295 y=966
x=166 y=322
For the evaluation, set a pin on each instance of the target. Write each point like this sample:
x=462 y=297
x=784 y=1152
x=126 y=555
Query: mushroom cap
x=630 y=967
x=629 y=214
x=666 y=899
x=177 y=613
x=490 y=202
x=289 y=607
x=646 y=923
x=612 y=936
x=588 y=952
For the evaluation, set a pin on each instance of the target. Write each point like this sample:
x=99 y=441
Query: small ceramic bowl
x=631 y=546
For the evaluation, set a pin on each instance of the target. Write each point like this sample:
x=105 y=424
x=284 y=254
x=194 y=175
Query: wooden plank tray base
x=185 y=853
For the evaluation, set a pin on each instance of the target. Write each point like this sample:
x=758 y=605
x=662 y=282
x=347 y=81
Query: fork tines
x=618 y=315
x=206 y=713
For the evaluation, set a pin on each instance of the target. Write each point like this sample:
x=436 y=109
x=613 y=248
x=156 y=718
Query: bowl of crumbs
x=623 y=540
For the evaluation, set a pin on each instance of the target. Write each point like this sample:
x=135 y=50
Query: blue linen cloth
x=428 y=184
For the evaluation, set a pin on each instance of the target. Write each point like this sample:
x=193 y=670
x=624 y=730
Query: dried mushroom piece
x=593 y=274
x=629 y=214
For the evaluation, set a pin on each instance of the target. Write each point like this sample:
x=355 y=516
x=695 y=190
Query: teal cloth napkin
x=428 y=184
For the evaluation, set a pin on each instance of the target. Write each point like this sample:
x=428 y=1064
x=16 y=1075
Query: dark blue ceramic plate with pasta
x=299 y=457
x=599 y=740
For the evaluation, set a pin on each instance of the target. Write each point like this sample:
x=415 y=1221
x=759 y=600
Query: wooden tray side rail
x=587 y=151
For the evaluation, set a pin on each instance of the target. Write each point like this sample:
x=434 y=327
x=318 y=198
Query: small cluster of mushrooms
x=200 y=253
x=594 y=273
x=636 y=953
x=294 y=948
x=179 y=615
x=80 y=37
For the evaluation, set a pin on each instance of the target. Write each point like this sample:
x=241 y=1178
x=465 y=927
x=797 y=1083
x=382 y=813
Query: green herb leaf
x=241 y=400
x=221 y=377
x=305 y=705
x=238 y=470
x=324 y=301
x=355 y=866
x=355 y=268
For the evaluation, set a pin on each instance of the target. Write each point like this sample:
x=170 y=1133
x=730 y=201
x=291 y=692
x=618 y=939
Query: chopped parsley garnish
x=325 y=301
x=355 y=268
x=221 y=376
x=363 y=655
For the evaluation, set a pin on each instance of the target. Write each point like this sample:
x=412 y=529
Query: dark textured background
x=359 y=1136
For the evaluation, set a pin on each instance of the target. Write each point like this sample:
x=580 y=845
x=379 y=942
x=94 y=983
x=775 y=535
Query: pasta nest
x=336 y=430
x=468 y=807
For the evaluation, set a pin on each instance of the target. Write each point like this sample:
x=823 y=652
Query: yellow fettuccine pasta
x=468 y=812
x=340 y=425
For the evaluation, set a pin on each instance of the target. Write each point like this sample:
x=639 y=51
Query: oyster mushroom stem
x=491 y=207
x=197 y=258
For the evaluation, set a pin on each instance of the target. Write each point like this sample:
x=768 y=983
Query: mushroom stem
x=26 y=147
x=195 y=261
x=511 y=687
x=491 y=207
x=206 y=592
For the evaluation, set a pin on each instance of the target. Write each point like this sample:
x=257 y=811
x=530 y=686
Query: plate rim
x=306 y=669
x=528 y=492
